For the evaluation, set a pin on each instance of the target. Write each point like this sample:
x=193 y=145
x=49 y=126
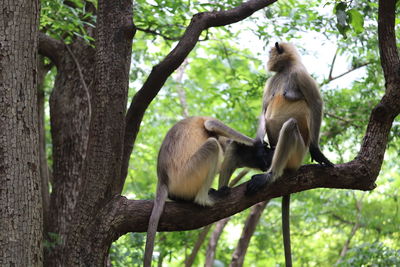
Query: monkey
x=290 y=122
x=190 y=156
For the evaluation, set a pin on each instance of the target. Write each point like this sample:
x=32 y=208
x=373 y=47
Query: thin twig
x=333 y=64
x=351 y=70
x=148 y=30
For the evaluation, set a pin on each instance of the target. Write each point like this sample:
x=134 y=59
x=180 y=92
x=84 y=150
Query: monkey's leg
x=201 y=169
x=228 y=166
x=289 y=153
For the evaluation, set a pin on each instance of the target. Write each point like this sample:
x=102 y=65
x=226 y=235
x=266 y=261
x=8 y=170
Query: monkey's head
x=281 y=56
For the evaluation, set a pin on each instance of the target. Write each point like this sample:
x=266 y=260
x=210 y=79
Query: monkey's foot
x=220 y=193
x=257 y=182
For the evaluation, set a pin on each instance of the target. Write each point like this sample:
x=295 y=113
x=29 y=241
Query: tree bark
x=69 y=117
x=20 y=191
x=248 y=231
x=86 y=243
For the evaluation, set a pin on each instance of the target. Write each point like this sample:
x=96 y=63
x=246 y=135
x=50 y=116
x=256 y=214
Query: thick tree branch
x=164 y=69
x=374 y=144
x=387 y=41
x=126 y=215
x=51 y=48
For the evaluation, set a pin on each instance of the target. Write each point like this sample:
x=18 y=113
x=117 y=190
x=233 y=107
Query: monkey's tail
x=158 y=207
x=286 y=229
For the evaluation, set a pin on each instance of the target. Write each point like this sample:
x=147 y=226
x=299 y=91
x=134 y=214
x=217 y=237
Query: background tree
x=20 y=192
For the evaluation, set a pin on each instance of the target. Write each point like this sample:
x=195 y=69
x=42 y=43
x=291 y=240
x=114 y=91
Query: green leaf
x=356 y=20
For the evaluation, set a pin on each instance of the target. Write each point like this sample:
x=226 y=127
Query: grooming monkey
x=290 y=121
x=189 y=158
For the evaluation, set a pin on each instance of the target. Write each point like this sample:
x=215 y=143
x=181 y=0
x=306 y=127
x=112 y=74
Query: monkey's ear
x=278 y=48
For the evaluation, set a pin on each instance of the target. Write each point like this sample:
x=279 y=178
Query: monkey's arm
x=219 y=128
x=292 y=91
x=267 y=94
x=310 y=90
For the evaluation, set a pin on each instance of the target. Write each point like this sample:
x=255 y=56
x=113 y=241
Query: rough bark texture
x=20 y=187
x=248 y=231
x=69 y=131
x=84 y=244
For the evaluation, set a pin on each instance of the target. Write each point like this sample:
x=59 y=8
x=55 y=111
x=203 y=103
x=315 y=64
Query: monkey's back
x=182 y=141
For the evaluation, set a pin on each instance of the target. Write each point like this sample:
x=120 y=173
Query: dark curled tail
x=286 y=229
x=158 y=207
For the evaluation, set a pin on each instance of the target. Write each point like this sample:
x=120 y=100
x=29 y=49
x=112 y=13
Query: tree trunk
x=69 y=130
x=20 y=192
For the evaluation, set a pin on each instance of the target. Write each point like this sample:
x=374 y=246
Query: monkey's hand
x=257 y=182
x=220 y=193
x=316 y=155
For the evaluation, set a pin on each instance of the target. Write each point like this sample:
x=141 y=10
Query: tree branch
x=126 y=215
x=51 y=48
x=382 y=116
x=333 y=64
x=387 y=41
x=347 y=72
x=171 y=62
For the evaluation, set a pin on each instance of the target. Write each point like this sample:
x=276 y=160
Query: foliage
x=374 y=255
x=66 y=19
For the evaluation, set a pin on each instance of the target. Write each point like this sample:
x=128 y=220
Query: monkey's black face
x=264 y=156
